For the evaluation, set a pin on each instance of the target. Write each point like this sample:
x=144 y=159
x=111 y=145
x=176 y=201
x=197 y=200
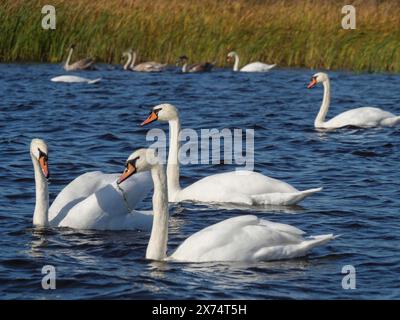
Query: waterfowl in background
x=365 y=117
x=91 y=201
x=235 y=187
x=84 y=64
x=149 y=66
x=243 y=238
x=75 y=79
x=197 y=67
x=251 y=67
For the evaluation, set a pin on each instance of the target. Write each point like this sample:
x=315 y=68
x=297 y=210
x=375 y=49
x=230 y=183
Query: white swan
x=243 y=238
x=75 y=79
x=251 y=67
x=150 y=66
x=83 y=64
x=243 y=187
x=91 y=201
x=365 y=117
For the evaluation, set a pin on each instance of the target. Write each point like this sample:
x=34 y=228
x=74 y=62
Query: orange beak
x=151 y=118
x=312 y=83
x=130 y=170
x=44 y=166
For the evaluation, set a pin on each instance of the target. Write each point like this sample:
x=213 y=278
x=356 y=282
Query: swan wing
x=74 y=79
x=150 y=66
x=245 y=238
x=107 y=209
x=134 y=190
x=359 y=117
x=81 y=64
x=257 y=67
x=234 y=187
x=201 y=67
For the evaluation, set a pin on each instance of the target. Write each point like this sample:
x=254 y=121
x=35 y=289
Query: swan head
x=39 y=152
x=182 y=59
x=139 y=161
x=319 y=77
x=127 y=52
x=231 y=56
x=162 y=112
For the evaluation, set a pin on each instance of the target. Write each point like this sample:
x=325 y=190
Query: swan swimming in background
x=75 y=79
x=91 y=201
x=251 y=67
x=243 y=238
x=365 y=117
x=238 y=187
x=83 y=64
x=197 y=67
x=149 y=66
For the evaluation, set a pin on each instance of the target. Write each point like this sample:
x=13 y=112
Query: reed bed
x=290 y=33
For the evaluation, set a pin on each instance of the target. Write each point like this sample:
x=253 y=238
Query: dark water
x=95 y=127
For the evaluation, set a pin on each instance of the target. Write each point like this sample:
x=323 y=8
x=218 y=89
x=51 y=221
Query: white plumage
x=243 y=238
x=365 y=117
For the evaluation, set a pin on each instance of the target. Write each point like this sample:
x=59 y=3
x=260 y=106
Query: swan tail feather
x=391 y=121
x=94 y=81
x=315 y=241
x=292 y=251
x=283 y=198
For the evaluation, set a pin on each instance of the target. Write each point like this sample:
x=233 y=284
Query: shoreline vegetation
x=290 y=33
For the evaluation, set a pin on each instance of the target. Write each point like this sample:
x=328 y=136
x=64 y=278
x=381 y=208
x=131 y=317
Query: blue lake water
x=95 y=127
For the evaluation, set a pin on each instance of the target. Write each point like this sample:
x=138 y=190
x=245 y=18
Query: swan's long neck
x=157 y=247
x=40 y=216
x=133 y=59
x=128 y=62
x=173 y=161
x=69 y=57
x=236 y=65
x=320 y=119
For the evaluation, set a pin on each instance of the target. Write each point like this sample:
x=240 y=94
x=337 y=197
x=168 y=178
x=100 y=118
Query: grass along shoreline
x=290 y=33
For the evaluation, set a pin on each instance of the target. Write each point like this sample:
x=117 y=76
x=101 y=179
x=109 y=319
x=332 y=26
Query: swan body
x=91 y=201
x=243 y=238
x=84 y=64
x=243 y=187
x=74 y=79
x=251 y=67
x=150 y=66
x=247 y=238
x=237 y=187
x=197 y=67
x=365 y=117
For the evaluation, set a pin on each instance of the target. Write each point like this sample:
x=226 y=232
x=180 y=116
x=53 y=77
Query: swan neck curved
x=157 y=247
x=236 y=65
x=128 y=62
x=173 y=159
x=133 y=59
x=41 y=213
x=320 y=119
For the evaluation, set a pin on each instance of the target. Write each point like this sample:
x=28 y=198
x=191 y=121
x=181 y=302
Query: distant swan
x=251 y=67
x=365 y=117
x=243 y=238
x=149 y=66
x=83 y=64
x=74 y=79
x=197 y=67
x=91 y=201
x=239 y=187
